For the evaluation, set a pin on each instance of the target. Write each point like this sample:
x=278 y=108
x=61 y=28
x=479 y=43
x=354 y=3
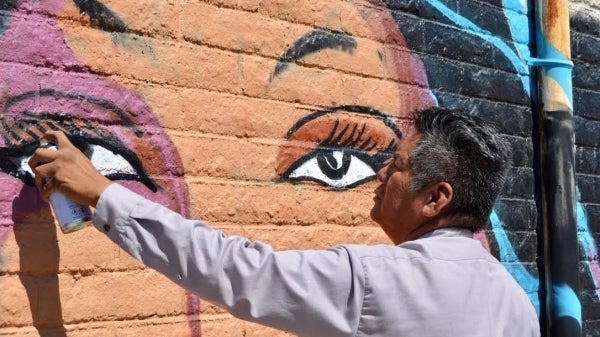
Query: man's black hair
x=466 y=152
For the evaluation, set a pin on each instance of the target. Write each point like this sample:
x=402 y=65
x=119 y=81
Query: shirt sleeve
x=308 y=292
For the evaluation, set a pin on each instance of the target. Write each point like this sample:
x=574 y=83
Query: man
x=435 y=281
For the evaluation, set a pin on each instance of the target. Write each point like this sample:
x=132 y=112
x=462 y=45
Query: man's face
x=396 y=207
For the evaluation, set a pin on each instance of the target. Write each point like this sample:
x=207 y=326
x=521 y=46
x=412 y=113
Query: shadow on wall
x=39 y=257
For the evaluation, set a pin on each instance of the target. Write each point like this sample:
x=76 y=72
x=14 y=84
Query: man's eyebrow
x=398 y=158
x=311 y=42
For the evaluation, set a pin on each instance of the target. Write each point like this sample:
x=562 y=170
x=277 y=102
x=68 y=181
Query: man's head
x=449 y=173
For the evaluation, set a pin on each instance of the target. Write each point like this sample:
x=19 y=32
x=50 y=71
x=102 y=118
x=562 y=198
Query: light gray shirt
x=442 y=284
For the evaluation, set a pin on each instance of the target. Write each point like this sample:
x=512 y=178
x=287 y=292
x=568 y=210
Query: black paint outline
x=312 y=42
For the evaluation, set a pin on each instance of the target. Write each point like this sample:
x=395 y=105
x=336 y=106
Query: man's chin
x=374 y=214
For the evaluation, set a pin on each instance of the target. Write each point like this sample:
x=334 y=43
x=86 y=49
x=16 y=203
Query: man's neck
x=425 y=228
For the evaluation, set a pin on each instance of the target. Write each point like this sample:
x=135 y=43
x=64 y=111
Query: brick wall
x=234 y=112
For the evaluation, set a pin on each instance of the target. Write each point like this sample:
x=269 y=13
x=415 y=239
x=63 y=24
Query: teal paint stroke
x=468 y=26
x=520 y=28
x=519 y=23
x=510 y=261
x=564 y=300
x=565 y=303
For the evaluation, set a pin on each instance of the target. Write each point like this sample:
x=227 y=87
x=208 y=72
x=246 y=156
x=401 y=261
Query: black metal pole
x=557 y=171
x=559 y=226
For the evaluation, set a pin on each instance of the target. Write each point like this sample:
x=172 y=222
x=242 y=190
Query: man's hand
x=67 y=171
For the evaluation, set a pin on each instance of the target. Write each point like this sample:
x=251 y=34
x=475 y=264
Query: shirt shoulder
x=446 y=246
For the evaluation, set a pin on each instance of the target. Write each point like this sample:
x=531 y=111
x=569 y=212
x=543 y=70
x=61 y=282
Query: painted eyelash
x=32 y=127
x=351 y=141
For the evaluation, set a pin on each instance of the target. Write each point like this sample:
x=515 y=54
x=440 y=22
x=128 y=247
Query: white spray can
x=70 y=215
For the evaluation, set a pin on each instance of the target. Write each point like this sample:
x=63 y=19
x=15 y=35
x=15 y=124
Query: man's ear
x=437 y=197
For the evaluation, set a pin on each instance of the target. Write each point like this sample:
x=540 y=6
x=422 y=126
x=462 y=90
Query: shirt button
x=106 y=228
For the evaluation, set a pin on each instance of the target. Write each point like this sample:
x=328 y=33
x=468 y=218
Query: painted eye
x=111 y=164
x=106 y=151
x=336 y=168
x=340 y=148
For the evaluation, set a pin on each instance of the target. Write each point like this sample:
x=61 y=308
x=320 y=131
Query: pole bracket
x=549 y=62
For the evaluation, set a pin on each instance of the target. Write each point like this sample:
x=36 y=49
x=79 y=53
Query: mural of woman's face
x=298 y=99
x=331 y=89
x=320 y=101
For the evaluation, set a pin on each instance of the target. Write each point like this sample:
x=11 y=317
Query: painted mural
x=111 y=124
x=354 y=72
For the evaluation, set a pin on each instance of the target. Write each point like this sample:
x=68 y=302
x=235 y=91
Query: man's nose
x=382 y=173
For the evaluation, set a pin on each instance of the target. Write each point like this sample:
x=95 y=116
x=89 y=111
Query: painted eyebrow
x=312 y=42
x=101 y=15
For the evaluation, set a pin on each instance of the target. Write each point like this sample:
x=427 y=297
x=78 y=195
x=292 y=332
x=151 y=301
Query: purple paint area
x=40 y=76
x=41 y=6
x=84 y=95
x=28 y=201
x=102 y=103
x=18 y=203
x=33 y=38
x=193 y=304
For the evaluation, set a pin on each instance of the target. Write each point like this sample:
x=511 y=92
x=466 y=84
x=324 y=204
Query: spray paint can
x=70 y=215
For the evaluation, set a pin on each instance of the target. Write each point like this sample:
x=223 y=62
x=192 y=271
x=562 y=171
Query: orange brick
x=70 y=298
x=239 y=116
x=162 y=326
x=165 y=102
x=247 y=5
x=282 y=204
x=155 y=60
x=238 y=159
x=45 y=250
x=327 y=88
x=228 y=326
x=255 y=33
x=336 y=15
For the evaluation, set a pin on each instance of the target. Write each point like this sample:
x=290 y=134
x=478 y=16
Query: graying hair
x=467 y=153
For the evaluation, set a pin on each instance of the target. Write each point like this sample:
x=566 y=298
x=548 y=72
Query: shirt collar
x=449 y=232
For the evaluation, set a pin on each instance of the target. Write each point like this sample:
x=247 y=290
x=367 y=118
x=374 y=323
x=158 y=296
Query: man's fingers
x=59 y=138
x=43 y=179
x=41 y=157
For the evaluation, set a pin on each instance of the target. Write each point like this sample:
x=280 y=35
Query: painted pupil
x=329 y=164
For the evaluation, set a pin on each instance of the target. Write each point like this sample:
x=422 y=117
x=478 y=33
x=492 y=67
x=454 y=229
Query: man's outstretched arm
x=310 y=293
